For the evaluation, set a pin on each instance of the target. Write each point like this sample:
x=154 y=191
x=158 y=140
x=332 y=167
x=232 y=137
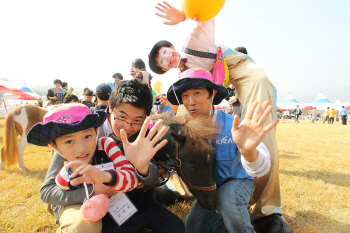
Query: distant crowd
x=329 y=115
x=62 y=94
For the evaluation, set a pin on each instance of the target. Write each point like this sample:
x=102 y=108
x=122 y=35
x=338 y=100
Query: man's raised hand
x=251 y=131
x=170 y=13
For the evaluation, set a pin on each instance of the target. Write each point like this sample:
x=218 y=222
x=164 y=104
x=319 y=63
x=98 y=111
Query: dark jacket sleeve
x=153 y=174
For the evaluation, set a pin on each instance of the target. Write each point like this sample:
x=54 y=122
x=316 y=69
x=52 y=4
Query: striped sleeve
x=127 y=178
x=62 y=179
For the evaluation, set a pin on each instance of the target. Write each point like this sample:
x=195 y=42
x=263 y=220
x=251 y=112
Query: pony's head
x=190 y=149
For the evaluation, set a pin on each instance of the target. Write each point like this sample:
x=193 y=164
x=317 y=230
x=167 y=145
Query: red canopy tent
x=21 y=95
x=308 y=108
x=16 y=92
x=347 y=107
x=4 y=89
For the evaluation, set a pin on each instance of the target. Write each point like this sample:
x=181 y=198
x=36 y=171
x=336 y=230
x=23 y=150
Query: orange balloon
x=202 y=10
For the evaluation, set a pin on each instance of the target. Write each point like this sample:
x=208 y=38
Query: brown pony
x=190 y=150
x=18 y=122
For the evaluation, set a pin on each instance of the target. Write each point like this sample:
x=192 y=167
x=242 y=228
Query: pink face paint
x=175 y=59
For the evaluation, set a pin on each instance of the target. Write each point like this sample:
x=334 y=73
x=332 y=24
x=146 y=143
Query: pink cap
x=132 y=71
x=68 y=113
x=197 y=73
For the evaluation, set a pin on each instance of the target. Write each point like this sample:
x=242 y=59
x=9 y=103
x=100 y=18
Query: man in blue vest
x=251 y=84
x=240 y=156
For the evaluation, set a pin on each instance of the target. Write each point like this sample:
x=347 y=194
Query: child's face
x=136 y=69
x=127 y=117
x=167 y=58
x=77 y=146
x=88 y=98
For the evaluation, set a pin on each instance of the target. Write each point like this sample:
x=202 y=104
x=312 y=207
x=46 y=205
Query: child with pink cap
x=71 y=130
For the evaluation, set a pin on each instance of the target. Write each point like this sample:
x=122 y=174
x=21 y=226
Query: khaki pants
x=252 y=83
x=71 y=221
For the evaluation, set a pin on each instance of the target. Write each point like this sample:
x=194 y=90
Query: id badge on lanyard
x=120 y=207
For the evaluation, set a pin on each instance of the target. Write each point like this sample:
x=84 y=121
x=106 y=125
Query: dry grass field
x=314 y=177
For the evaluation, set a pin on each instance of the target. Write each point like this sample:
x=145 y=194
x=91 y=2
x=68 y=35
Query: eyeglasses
x=121 y=122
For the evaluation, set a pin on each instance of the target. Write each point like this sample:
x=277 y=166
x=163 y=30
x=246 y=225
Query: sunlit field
x=314 y=176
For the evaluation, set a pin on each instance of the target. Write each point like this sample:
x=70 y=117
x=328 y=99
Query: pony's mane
x=200 y=129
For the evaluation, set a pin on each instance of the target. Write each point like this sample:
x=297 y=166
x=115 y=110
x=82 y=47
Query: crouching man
x=240 y=156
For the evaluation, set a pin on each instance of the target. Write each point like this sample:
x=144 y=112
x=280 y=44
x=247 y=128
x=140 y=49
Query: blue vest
x=227 y=162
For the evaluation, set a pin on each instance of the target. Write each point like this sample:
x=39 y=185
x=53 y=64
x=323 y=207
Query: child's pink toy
x=151 y=124
x=95 y=208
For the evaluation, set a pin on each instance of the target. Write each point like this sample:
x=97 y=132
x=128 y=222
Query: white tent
x=28 y=91
x=321 y=102
x=337 y=105
x=288 y=103
x=347 y=103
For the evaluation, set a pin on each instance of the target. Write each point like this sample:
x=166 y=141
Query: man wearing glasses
x=129 y=105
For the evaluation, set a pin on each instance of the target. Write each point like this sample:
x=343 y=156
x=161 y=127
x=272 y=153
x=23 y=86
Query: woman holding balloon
x=250 y=81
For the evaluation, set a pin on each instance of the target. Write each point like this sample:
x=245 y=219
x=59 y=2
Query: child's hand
x=173 y=15
x=90 y=174
x=164 y=100
x=103 y=189
x=140 y=152
x=251 y=132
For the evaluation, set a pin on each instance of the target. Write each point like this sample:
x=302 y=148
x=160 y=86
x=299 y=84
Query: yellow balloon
x=202 y=10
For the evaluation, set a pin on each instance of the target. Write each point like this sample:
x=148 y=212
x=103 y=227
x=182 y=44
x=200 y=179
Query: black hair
x=90 y=93
x=50 y=93
x=54 y=141
x=103 y=95
x=70 y=97
x=64 y=84
x=132 y=92
x=211 y=91
x=57 y=81
x=230 y=90
x=119 y=75
x=85 y=89
x=138 y=63
x=241 y=49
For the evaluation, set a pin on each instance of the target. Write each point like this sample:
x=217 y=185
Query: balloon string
x=183 y=116
x=87 y=192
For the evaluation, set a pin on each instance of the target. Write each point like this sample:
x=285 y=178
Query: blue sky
x=302 y=45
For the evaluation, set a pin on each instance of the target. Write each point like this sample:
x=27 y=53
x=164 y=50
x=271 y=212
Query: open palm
x=251 y=131
x=142 y=150
x=173 y=15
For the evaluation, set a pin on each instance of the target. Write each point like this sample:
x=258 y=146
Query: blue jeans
x=232 y=213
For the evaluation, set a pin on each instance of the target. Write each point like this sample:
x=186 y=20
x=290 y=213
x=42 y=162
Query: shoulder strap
x=199 y=53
